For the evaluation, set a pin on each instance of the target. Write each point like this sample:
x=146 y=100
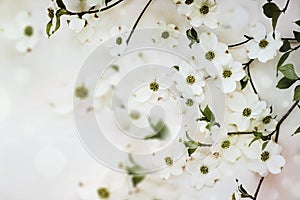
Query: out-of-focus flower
x=245 y=108
x=111 y=186
x=263 y=47
x=167 y=35
x=268 y=160
x=119 y=44
x=173 y=161
x=23 y=31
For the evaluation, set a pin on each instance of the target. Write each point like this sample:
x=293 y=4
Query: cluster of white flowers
x=213 y=143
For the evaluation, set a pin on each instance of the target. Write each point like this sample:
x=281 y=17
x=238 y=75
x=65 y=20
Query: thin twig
x=240 y=133
x=251 y=81
x=288 y=38
x=204 y=145
x=286 y=6
x=241 y=43
x=258 y=188
x=137 y=21
x=282 y=120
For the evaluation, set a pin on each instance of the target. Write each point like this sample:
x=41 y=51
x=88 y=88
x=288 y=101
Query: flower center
x=81 y=92
x=169 y=161
x=190 y=79
x=225 y=144
x=227 y=73
x=119 y=40
x=103 y=193
x=189 y=102
x=210 y=55
x=204 y=10
x=247 y=112
x=204 y=169
x=188 y=2
x=135 y=115
x=154 y=86
x=28 y=31
x=264 y=156
x=263 y=43
x=267 y=119
x=165 y=35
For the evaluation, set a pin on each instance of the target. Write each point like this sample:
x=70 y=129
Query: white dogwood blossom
x=244 y=109
x=264 y=46
x=203 y=12
x=268 y=160
x=214 y=55
x=229 y=76
x=203 y=169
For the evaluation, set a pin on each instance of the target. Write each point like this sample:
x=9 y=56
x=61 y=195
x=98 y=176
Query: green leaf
x=264 y=145
x=297 y=22
x=274 y=21
x=161 y=131
x=297 y=35
x=60 y=4
x=296 y=131
x=233 y=196
x=192 y=146
x=258 y=136
x=270 y=9
x=285 y=83
x=48 y=28
x=58 y=14
x=192 y=36
x=288 y=71
x=282 y=60
x=136 y=179
x=244 y=82
x=297 y=93
x=208 y=114
x=285 y=46
x=176 y=67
